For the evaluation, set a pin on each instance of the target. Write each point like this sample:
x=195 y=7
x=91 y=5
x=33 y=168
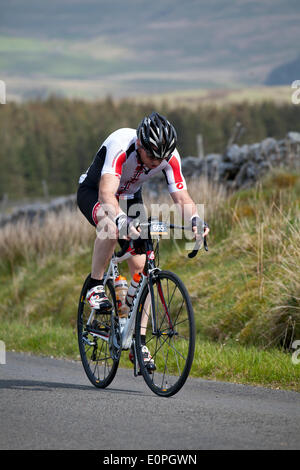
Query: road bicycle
x=161 y=310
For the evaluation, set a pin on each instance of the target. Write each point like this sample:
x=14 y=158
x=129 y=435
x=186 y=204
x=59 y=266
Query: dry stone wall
x=238 y=167
x=241 y=166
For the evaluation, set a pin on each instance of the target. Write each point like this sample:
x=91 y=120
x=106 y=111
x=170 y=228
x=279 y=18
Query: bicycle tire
x=172 y=346
x=96 y=359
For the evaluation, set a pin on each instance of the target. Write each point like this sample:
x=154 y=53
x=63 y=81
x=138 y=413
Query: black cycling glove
x=123 y=223
x=199 y=223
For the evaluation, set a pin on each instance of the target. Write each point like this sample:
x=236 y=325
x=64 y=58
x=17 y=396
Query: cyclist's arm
x=178 y=190
x=107 y=189
x=186 y=203
x=110 y=178
x=188 y=208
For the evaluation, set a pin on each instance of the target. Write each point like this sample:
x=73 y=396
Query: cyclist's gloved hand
x=134 y=229
x=199 y=227
x=127 y=227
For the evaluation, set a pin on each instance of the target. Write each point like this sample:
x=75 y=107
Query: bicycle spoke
x=172 y=296
x=171 y=344
x=177 y=352
x=166 y=362
x=96 y=357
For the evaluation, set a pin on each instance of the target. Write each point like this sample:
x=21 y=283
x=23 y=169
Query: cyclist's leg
x=136 y=264
x=145 y=315
x=87 y=201
x=105 y=242
x=103 y=250
x=87 y=198
x=136 y=209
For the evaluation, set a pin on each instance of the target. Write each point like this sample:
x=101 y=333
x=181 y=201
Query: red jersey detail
x=173 y=162
x=117 y=155
x=138 y=171
x=120 y=160
x=179 y=185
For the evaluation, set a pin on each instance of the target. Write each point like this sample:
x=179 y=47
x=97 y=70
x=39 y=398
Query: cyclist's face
x=148 y=160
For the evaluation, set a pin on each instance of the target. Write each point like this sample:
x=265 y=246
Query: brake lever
x=193 y=253
x=205 y=244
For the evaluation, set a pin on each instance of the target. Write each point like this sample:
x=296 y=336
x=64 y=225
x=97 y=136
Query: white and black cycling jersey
x=118 y=156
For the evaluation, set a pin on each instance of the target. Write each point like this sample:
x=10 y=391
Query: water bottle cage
x=134 y=298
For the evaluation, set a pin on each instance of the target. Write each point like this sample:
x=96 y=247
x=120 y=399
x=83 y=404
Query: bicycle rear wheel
x=170 y=334
x=99 y=361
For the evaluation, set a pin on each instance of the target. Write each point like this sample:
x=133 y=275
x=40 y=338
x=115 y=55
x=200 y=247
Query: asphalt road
x=49 y=404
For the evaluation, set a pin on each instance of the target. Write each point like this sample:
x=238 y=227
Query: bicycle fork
x=155 y=329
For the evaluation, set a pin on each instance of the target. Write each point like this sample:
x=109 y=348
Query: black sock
x=95 y=282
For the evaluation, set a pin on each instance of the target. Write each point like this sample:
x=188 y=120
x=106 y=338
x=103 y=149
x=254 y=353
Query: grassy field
x=220 y=97
x=245 y=290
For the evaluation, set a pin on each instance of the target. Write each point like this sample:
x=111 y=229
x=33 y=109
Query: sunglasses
x=149 y=155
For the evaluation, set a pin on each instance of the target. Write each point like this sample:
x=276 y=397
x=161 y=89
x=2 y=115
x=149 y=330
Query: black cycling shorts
x=87 y=200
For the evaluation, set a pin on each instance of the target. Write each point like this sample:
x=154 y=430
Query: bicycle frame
x=152 y=317
x=113 y=272
x=146 y=277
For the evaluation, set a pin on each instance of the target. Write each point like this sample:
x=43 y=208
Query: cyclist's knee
x=107 y=230
x=136 y=264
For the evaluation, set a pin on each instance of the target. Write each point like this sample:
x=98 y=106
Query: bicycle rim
x=172 y=341
x=99 y=365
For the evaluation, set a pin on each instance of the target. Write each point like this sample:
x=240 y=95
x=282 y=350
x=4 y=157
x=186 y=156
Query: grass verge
x=231 y=362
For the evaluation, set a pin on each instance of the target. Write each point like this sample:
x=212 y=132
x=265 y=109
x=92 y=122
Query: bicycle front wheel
x=96 y=355
x=166 y=319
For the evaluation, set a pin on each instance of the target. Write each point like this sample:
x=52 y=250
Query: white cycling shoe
x=148 y=360
x=98 y=300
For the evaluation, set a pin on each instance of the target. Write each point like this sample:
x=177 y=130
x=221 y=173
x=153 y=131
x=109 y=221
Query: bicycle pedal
x=136 y=374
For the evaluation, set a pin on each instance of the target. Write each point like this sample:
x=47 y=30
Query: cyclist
x=112 y=185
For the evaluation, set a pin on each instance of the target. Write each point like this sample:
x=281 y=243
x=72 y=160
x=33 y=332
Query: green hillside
x=93 y=48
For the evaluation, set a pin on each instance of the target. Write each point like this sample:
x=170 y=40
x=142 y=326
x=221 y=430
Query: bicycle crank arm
x=99 y=335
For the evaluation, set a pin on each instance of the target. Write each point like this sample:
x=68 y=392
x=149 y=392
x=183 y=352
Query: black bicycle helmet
x=157 y=136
